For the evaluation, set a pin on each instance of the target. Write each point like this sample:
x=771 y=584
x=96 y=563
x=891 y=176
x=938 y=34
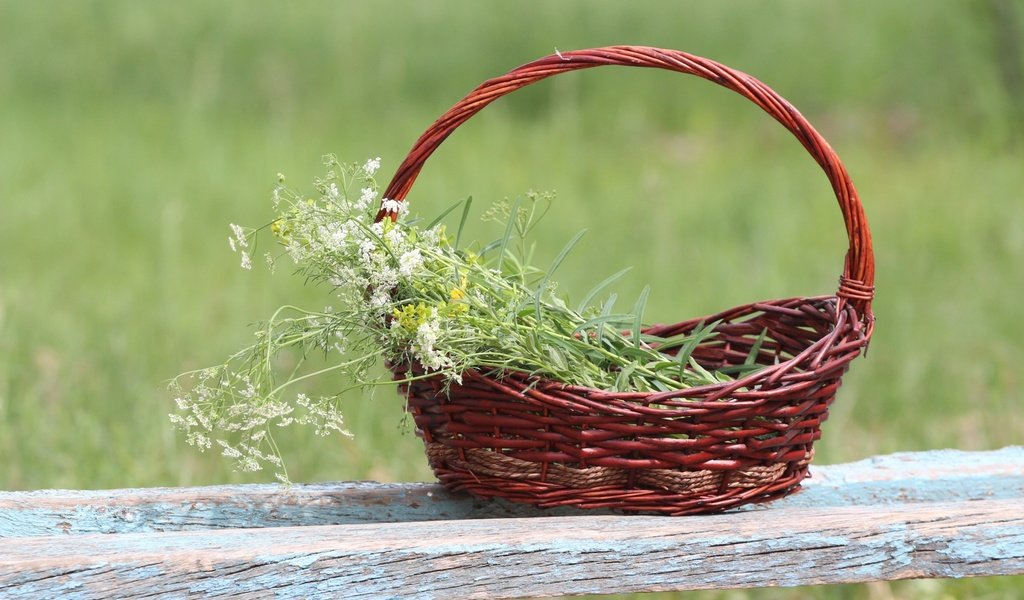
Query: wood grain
x=880 y=519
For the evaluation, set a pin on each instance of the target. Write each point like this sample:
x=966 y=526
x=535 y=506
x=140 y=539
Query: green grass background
x=131 y=133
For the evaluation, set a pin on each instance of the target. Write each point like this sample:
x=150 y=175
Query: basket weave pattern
x=695 y=450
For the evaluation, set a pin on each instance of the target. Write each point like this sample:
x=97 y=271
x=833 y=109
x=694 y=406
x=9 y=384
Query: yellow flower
x=411 y=316
x=281 y=229
x=453 y=309
x=459 y=293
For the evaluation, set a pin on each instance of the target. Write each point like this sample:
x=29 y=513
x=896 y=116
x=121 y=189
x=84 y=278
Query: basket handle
x=856 y=285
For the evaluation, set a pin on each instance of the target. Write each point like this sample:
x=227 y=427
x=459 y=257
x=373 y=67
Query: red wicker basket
x=694 y=450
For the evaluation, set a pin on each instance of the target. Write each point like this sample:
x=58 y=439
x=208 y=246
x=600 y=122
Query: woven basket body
x=688 y=451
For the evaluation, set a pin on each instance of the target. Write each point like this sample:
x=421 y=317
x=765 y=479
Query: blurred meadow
x=132 y=133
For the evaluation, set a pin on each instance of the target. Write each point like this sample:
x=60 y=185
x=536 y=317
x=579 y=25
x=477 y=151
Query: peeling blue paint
x=908 y=477
x=302 y=561
x=1010 y=544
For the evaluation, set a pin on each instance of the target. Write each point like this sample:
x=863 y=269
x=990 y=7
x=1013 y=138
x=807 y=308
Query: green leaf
x=660 y=385
x=597 y=288
x=701 y=332
x=621 y=318
x=606 y=310
x=559 y=304
x=638 y=314
x=554 y=265
x=701 y=370
x=666 y=344
x=699 y=335
x=490 y=246
x=755 y=350
x=557 y=359
x=622 y=381
x=561 y=255
x=462 y=221
x=638 y=354
x=750 y=364
x=508 y=231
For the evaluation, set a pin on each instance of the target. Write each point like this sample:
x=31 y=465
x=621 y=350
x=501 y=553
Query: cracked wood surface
x=934 y=514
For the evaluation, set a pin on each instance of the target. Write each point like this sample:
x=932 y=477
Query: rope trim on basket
x=483 y=462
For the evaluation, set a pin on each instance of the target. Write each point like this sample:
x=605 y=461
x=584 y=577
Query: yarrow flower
x=410 y=262
x=239 y=236
x=396 y=207
x=366 y=197
x=427 y=335
x=371 y=166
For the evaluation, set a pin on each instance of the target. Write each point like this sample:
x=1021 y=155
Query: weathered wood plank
x=505 y=558
x=946 y=475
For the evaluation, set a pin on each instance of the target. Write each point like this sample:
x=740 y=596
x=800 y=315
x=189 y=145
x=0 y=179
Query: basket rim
x=847 y=337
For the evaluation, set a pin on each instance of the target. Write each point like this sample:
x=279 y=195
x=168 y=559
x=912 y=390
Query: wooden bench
x=933 y=514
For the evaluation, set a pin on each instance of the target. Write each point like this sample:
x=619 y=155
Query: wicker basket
x=694 y=450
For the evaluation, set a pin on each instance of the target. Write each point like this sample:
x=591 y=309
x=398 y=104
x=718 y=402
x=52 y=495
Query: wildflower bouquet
x=407 y=293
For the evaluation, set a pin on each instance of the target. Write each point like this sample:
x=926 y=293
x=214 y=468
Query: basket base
x=487 y=474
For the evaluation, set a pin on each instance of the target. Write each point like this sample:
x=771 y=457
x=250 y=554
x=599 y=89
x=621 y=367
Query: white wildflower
x=395 y=238
x=366 y=197
x=332 y=192
x=337 y=237
x=239 y=235
x=249 y=391
x=380 y=299
x=409 y=262
x=231 y=242
x=393 y=206
x=431 y=237
x=385 y=278
x=322 y=414
x=426 y=337
x=228 y=450
x=198 y=440
x=368 y=254
x=295 y=251
x=372 y=165
x=246 y=261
